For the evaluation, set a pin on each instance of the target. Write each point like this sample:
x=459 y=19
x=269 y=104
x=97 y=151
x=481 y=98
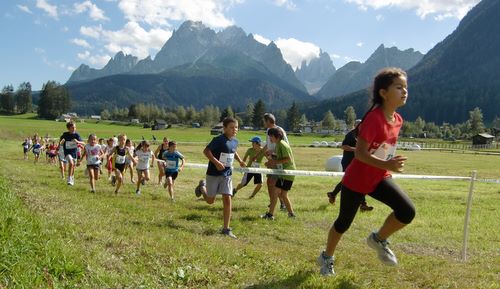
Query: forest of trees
x=16 y=102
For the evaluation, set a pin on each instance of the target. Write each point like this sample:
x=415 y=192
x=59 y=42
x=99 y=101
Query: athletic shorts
x=247 y=177
x=71 y=154
x=283 y=184
x=93 y=167
x=171 y=174
x=25 y=150
x=222 y=185
x=120 y=167
x=139 y=171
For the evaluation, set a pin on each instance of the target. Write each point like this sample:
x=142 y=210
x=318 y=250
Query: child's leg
x=349 y=204
x=274 y=199
x=227 y=203
x=146 y=175
x=71 y=167
x=284 y=197
x=256 y=190
x=139 y=179
x=170 y=185
x=131 y=166
x=403 y=209
x=119 y=179
x=161 y=172
x=91 y=178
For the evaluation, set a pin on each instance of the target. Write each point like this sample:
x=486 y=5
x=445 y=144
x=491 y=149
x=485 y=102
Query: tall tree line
x=14 y=102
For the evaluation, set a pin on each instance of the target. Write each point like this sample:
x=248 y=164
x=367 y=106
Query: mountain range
x=458 y=74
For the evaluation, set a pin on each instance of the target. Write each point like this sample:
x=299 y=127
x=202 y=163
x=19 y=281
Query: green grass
x=54 y=235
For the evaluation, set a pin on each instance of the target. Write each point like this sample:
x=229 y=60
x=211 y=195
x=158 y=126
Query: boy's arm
x=242 y=163
x=182 y=165
x=208 y=154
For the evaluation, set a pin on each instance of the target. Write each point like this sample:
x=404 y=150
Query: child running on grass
x=163 y=147
x=93 y=154
x=120 y=154
x=129 y=163
x=36 y=148
x=284 y=161
x=221 y=152
x=369 y=171
x=108 y=151
x=26 y=146
x=251 y=154
x=172 y=167
x=144 y=160
x=70 y=141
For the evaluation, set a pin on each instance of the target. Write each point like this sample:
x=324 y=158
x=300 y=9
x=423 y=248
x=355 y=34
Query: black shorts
x=93 y=167
x=283 y=184
x=25 y=150
x=257 y=178
x=120 y=167
x=171 y=174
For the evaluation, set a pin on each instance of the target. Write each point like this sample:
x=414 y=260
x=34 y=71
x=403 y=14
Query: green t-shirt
x=283 y=150
x=250 y=154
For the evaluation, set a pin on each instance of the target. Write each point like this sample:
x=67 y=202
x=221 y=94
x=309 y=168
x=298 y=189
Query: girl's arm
x=362 y=153
x=153 y=158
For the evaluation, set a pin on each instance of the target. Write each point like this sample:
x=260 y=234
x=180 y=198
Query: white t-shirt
x=93 y=153
x=144 y=159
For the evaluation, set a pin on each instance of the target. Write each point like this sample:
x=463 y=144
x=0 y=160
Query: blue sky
x=47 y=39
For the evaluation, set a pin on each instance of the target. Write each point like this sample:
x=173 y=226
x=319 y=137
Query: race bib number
x=36 y=151
x=120 y=159
x=385 y=151
x=226 y=159
x=94 y=160
x=171 y=164
x=71 y=145
x=255 y=165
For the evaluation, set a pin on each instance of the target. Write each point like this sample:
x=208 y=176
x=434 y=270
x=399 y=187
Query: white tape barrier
x=337 y=174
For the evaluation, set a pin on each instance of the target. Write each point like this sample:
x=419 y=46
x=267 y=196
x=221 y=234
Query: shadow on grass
x=294 y=281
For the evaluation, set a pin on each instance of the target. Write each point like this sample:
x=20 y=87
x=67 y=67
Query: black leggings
x=386 y=192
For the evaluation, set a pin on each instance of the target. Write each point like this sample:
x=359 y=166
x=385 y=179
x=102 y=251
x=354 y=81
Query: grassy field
x=55 y=236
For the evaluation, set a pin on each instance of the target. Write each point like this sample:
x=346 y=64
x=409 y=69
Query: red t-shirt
x=382 y=137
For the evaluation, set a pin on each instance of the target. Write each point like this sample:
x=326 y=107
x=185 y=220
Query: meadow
x=55 y=236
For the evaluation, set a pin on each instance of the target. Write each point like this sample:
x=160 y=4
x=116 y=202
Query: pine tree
x=258 y=114
x=293 y=117
x=350 y=116
x=7 y=101
x=23 y=98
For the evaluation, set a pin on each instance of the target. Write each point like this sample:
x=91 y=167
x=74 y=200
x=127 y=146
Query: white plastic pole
x=467 y=216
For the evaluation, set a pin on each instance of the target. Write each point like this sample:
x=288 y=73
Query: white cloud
x=25 y=9
x=65 y=29
x=51 y=10
x=261 y=39
x=80 y=42
x=359 y=44
x=39 y=50
x=441 y=8
x=379 y=17
x=93 y=32
x=96 y=60
x=295 y=51
x=161 y=12
x=131 y=39
x=334 y=56
x=95 y=12
x=288 y=4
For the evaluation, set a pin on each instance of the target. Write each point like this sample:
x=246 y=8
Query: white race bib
x=120 y=159
x=36 y=151
x=71 y=145
x=226 y=159
x=94 y=160
x=171 y=164
x=255 y=165
x=385 y=151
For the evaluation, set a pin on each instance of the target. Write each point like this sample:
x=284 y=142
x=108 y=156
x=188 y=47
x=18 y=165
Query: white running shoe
x=384 y=253
x=326 y=264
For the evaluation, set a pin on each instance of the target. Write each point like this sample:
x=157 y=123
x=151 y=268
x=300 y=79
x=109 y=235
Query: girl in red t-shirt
x=368 y=174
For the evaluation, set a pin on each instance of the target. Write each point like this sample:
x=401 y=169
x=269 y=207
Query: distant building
x=482 y=139
x=159 y=124
x=217 y=129
x=95 y=117
x=496 y=132
x=67 y=117
x=134 y=120
x=196 y=125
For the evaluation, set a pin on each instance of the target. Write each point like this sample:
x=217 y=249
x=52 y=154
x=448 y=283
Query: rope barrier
x=339 y=174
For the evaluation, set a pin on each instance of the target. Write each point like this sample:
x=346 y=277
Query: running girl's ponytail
x=382 y=80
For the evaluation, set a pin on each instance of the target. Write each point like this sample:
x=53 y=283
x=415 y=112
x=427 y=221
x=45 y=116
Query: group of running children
x=369 y=157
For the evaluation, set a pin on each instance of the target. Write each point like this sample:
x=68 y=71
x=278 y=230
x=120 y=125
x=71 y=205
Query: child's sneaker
x=228 y=232
x=267 y=216
x=197 y=190
x=365 y=208
x=138 y=192
x=326 y=264
x=283 y=207
x=292 y=215
x=384 y=253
